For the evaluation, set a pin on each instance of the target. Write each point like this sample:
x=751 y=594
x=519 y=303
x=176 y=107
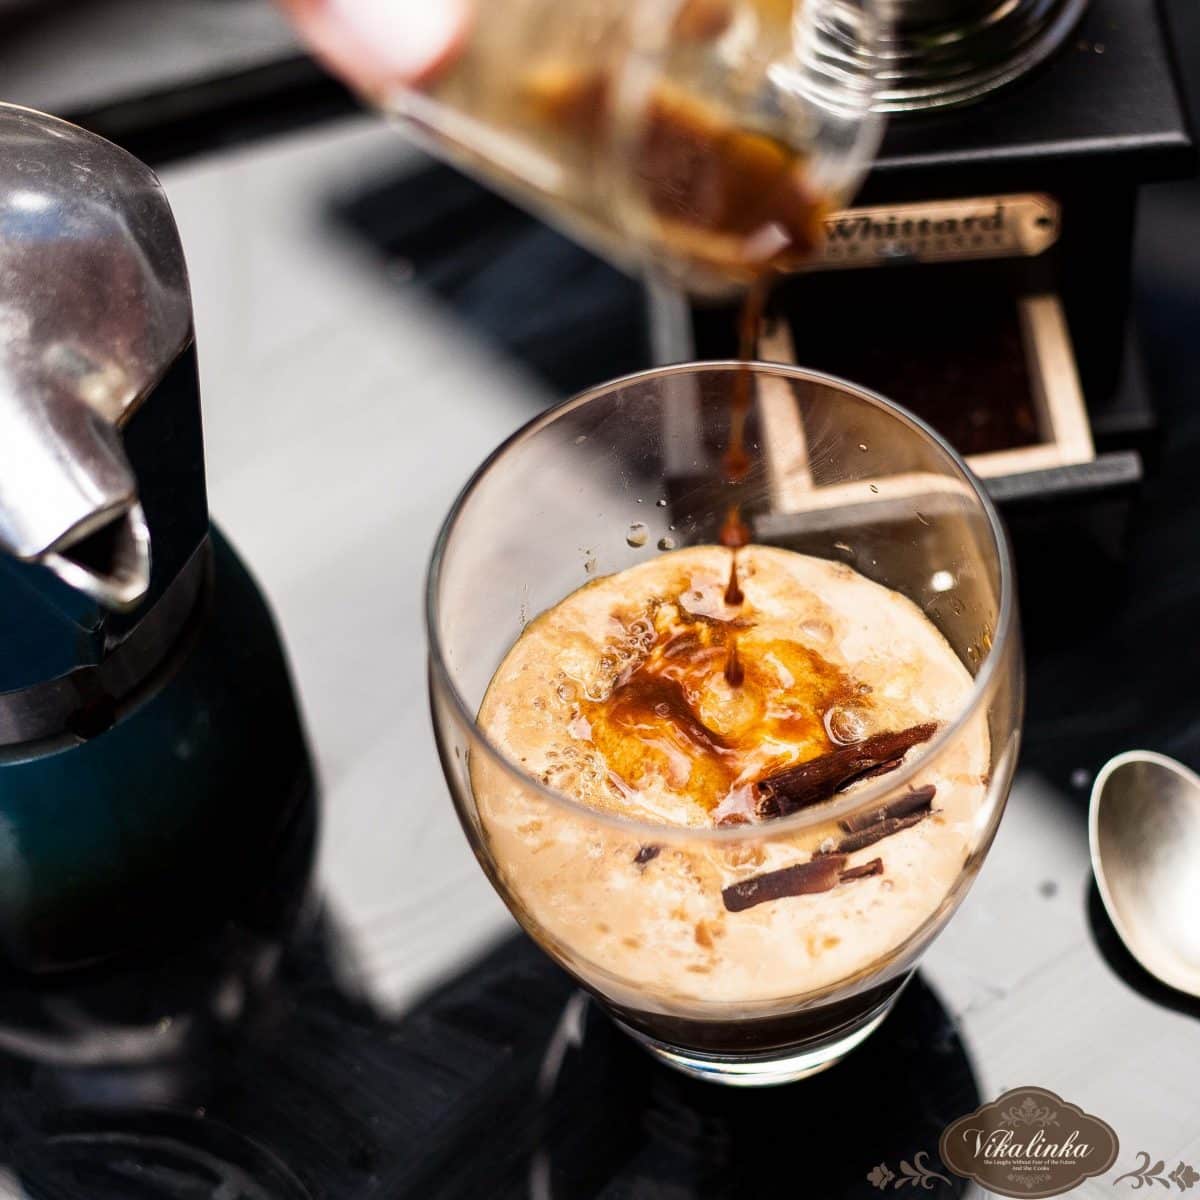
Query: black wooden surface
x=477 y=1091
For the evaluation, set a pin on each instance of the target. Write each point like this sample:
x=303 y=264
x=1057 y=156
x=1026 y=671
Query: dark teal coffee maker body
x=155 y=784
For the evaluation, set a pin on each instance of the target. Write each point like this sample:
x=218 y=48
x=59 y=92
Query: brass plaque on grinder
x=1012 y=226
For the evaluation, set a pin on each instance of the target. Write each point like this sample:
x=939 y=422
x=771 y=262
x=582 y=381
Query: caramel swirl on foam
x=675 y=718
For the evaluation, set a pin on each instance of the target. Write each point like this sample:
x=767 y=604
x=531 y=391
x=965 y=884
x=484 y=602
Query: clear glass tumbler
x=631 y=469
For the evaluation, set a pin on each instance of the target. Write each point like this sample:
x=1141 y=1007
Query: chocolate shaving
x=817 y=875
x=882 y=769
x=809 y=783
x=803 y=879
x=877 y=832
x=863 y=871
x=918 y=800
x=820 y=874
x=646 y=853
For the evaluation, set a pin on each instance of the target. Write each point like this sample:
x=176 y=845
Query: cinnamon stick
x=809 y=783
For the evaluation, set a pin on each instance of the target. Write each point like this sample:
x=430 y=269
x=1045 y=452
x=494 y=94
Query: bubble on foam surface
x=815 y=631
x=845 y=725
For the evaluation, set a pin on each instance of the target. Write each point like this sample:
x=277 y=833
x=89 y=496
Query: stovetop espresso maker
x=155 y=784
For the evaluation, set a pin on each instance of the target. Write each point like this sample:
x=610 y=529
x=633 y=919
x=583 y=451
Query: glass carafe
x=704 y=139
